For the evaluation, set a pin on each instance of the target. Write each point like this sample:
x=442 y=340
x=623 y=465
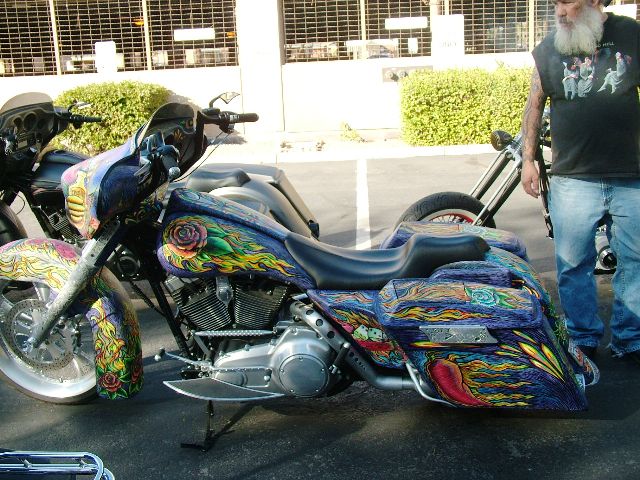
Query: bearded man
x=595 y=169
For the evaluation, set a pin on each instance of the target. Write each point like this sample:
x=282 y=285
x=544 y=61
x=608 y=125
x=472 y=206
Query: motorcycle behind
x=503 y=175
x=456 y=315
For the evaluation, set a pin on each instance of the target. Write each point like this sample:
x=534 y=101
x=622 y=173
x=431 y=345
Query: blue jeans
x=576 y=206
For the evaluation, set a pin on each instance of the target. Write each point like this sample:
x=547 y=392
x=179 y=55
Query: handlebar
x=73 y=118
x=226 y=120
x=161 y=158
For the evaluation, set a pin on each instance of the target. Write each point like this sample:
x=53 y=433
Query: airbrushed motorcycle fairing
x=202 y=234
x=443 y=327
x=354 y=312
x=101 y=187
x=507 y=251
x=113 y=319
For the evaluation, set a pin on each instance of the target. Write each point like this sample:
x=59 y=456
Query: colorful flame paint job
x=116 y=332
x=507 y=251
x=193 y=245
x=355 y=313
x=100 y=187
x=526 y=368
x=206 y=234
x=494 y=237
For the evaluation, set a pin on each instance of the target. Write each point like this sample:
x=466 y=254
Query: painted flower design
x=66 y=251
x=185 y=237
x=110 y=381
x=483 y=297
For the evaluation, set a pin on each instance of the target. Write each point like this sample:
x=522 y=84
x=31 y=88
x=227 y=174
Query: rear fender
x=113 y=319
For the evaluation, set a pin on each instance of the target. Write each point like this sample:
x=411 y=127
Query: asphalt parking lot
x=362 y=432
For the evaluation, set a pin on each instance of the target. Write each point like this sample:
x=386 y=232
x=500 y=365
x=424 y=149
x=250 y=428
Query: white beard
x=583 y=37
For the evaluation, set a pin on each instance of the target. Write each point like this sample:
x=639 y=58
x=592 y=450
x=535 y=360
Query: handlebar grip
x=215 y=116
x=242 y=117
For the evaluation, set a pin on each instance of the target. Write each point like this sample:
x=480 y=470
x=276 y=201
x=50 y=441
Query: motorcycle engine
x=295 y=363
x=215 y=303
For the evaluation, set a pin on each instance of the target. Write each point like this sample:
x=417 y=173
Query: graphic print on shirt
x=607 y=68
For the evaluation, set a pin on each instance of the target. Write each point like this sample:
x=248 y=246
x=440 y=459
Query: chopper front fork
x=92 y=259
x=502 y=192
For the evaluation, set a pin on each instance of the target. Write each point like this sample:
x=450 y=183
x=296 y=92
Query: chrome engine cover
x=294 y=364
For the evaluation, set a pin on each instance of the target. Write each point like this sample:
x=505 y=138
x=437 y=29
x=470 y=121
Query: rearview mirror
x=226 y=97
x=78 y=105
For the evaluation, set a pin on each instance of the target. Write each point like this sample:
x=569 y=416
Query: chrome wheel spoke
x=82 y=364
x=42 y=292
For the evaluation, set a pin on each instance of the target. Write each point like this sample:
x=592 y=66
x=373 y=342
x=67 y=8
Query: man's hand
x=530 y=179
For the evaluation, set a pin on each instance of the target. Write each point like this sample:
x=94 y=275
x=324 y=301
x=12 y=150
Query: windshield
x=24 y=99
x=166 y=114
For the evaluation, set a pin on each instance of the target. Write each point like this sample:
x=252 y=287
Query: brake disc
x=54 y=353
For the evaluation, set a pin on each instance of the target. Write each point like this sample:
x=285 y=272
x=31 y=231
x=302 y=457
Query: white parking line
x=363 y=230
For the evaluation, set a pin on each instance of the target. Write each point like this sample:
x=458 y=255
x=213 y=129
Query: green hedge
x=124 y=107
x=453 y=107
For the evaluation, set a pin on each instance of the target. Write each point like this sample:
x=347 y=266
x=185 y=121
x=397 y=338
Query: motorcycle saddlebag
x=494 y=237
x=480 y=345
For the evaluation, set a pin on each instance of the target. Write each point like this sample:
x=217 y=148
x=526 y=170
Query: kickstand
x=209 y=437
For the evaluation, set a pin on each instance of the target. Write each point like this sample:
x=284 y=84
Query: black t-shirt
x=595 y=114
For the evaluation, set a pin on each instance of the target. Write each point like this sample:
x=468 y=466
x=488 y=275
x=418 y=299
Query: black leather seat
x=52 y=165
x=335 y=268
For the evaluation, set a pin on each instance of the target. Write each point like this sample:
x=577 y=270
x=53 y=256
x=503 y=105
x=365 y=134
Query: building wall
x=314 y=96
x=289 y=96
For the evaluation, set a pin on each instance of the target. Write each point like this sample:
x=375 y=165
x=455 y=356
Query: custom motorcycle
x=30 y=121
x=503 y=175
x=456 y=315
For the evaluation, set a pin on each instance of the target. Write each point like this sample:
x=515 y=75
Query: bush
x=124 y=107
x=453 y=107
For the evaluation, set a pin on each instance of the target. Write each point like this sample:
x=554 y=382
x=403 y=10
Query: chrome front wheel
x=61 y=369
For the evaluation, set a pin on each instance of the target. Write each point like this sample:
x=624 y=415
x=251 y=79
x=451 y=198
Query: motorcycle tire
x=62 y=369
x=453 y=207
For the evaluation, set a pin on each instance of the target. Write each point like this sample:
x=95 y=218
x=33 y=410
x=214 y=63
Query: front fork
x=502 y=192
x=507 y=185
x=94 y=255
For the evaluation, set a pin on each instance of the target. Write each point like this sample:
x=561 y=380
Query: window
x=320 y=29
x=182 y=33
x=26 y=38
x=494 y=26
x=354 y=29
x=192 y=33
x=404 y=21
x=82 y=23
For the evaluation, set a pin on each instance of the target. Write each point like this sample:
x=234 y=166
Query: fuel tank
x=204 y=235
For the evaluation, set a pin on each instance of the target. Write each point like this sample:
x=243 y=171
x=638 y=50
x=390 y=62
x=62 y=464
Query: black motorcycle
x=30 y=121
x=503 y=175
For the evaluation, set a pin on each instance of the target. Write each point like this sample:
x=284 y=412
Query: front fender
x=113 y=319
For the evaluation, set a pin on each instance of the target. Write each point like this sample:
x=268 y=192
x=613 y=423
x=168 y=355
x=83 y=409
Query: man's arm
x=530 y=178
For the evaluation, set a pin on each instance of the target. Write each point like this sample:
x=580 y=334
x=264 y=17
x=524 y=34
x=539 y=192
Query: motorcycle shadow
x=618 y=382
